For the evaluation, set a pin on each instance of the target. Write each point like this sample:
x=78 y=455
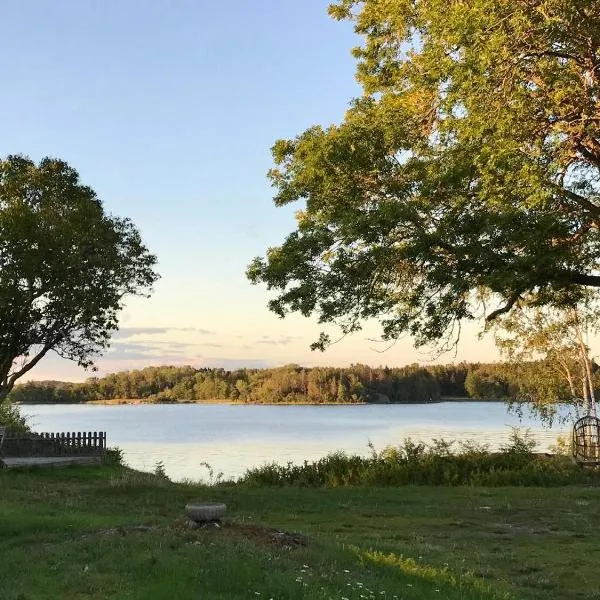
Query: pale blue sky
x=168 y=109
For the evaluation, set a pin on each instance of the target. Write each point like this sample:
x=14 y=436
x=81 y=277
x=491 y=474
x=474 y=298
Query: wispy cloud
x=164 y=343
x=128 y=332
x=280 y=341
x=125 y=355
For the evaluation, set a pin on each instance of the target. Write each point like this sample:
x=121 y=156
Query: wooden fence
x=70 y=443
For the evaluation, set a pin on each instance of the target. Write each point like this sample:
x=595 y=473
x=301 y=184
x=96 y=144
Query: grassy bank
x=78 y=532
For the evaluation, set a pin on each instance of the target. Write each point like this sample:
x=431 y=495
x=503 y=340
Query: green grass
x=70 y=534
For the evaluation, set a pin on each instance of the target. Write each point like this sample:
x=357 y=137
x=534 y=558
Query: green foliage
x=11 y=417
x=514 y=382
x=50 y=392
x=465 y=175
x=486 y=383
x=563 y=446
x=288 y=384
x=548 y=355
x=437 y=464
x=114 y=457
x=159 y=470
x=213 y=478
x=65 y=267
x=520 y=444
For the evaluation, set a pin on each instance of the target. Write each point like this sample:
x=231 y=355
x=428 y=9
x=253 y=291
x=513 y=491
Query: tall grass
x=439 y=463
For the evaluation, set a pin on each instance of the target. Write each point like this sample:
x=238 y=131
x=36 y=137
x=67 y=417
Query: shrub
x=160 y=472
x=114 y=456
x=436 y=464
x=11 y=417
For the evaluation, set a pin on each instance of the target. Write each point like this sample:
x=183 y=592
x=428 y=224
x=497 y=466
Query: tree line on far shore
x=295 y=384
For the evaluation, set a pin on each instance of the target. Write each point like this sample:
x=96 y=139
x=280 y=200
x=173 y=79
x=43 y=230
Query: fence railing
x=69 y=443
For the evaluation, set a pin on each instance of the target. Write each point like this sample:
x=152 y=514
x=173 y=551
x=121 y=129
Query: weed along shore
x=342 y=527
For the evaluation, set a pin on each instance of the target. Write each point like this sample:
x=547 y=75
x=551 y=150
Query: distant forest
x=288 y=384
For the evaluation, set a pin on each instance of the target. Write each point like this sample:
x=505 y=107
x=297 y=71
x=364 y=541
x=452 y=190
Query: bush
x=436 y=464
x=11 y=417
x=114 y=457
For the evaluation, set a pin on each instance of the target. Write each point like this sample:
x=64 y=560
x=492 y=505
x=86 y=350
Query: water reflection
x=233 y=438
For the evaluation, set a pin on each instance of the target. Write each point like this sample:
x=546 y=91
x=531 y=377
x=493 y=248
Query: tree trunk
x=569 y=377
x=587 y=372
x=584 y=385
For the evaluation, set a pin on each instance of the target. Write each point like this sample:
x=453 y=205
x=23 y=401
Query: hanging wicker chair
x=586 y=441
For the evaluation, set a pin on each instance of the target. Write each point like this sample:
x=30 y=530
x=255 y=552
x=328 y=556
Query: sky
x=168 y=110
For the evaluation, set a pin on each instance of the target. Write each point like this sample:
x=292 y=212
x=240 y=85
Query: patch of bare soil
x=265 y=536
x=257 y=534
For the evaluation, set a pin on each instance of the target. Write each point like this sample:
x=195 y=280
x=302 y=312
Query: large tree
x=65 y=267
x=465 y=179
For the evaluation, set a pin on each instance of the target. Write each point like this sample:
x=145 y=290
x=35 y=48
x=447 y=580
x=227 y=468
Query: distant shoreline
x=144 y=401
x=138 y=401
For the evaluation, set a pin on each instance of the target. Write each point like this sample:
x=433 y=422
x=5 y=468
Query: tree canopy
x=465 y=179
x=65 y=267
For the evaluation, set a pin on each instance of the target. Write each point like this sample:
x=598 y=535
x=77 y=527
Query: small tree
x=65 y=267
x=11 y=417
x=555 y=340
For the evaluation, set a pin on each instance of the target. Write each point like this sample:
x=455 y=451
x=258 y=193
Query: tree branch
x=582 y=201
x=34 y=361
x=584 y=279
x=555 y=54
x=506 y=308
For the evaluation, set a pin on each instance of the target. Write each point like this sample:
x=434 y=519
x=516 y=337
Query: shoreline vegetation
x=290 y=384
x=140 y=401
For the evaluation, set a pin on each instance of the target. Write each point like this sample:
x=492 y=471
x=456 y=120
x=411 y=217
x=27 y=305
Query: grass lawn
x=72 y=534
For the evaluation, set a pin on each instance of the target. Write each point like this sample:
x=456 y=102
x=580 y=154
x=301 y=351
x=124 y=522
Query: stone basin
x=202 y=512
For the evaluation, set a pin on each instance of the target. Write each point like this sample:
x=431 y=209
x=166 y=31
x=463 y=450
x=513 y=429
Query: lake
x=232 y=438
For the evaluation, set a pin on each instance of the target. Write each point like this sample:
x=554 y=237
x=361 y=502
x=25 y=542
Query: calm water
x=232 y=438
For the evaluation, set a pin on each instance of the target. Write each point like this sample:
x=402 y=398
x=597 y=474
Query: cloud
x=128 y=332
x=163 y=343
x=281 y=341
x=150 y=350
x=132 y=355
x=129 y=355
x=194 y=329
x=134 y=351
x=119 y=350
